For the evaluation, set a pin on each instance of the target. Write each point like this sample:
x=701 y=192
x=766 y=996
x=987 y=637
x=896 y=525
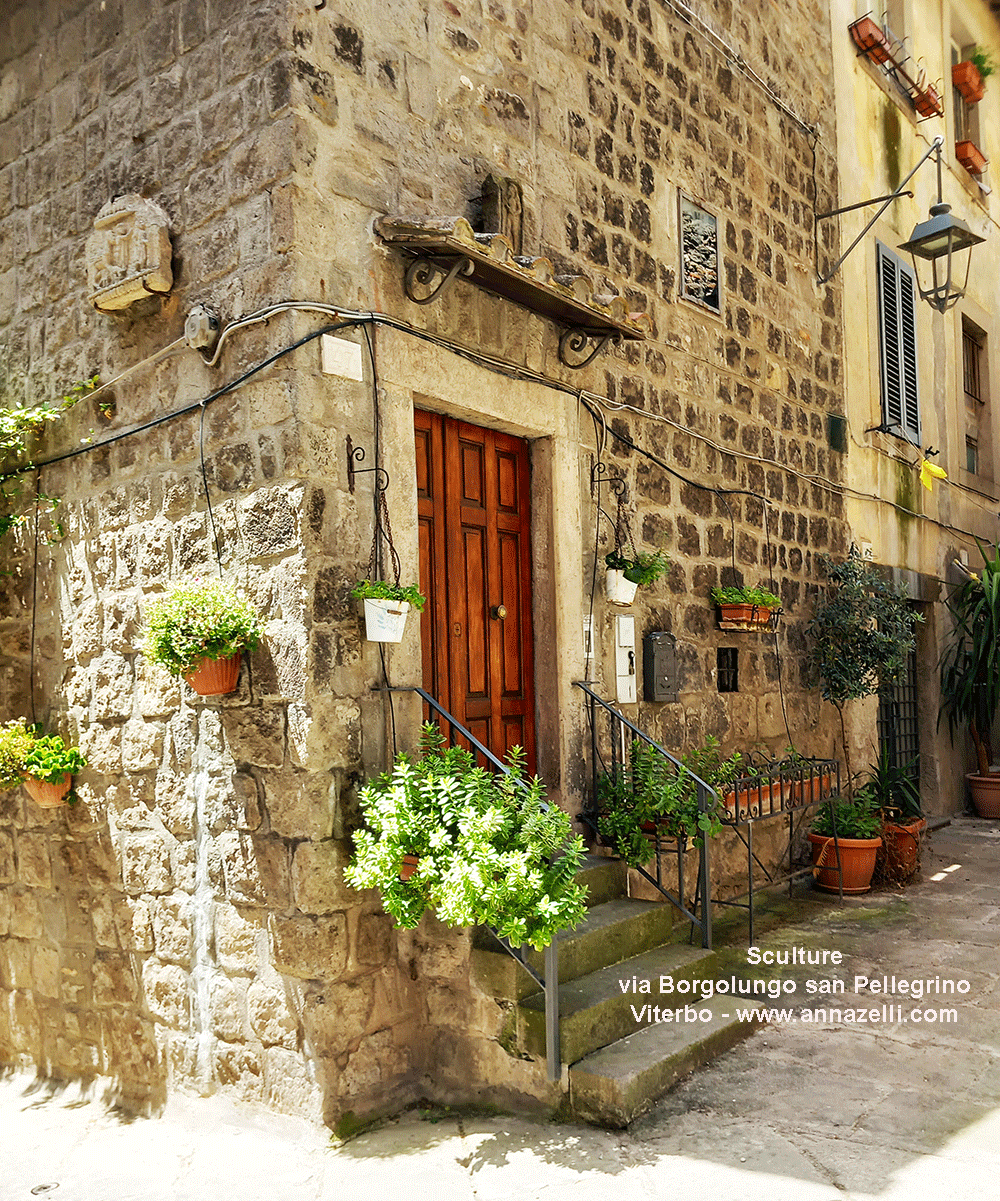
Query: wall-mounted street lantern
x=936 y=241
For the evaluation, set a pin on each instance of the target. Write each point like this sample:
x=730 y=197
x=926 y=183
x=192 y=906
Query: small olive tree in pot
x=860 y=635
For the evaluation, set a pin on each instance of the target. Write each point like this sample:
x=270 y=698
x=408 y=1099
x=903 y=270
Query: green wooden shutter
x=897 y=301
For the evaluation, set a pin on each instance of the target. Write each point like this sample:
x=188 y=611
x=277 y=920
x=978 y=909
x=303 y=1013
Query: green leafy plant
x=21 y=424
x=857 y=818
x=860 y=635
x=984 y=62
x=26 y=751
x=970 y=664
x=891 y=787
x=491 y=851
x=746 y=596
x=199 y=621
x=643 y=570
x=379 y=590
x=650 y=792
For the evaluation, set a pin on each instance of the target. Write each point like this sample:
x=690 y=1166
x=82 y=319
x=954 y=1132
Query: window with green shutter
x=897 y=303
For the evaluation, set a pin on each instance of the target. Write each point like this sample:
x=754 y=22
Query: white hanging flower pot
x=619 y=590
x=385 y=620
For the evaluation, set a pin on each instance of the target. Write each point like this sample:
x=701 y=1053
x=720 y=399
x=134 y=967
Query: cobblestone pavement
x=891 y=1107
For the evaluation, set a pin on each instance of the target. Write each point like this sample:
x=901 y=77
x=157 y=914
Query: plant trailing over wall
x=25 y=752
x=861 y=634
x=642 y=568
x=650 y=793
x=379 y=590
x=491 y=852
x=970 y=666
x=21 y=425
x=203 y=620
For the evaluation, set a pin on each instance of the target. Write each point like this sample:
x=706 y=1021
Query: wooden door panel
x=473 y=498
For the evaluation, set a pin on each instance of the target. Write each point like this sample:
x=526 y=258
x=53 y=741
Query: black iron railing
x=549 y=981
x=612 y=736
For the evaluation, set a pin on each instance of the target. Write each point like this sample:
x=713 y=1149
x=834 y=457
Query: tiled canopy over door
x=475 y=569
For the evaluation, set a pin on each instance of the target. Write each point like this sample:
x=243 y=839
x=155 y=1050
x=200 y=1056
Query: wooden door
x=473 y=489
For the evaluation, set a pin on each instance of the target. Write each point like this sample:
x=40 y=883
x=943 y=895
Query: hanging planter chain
x=383 y=529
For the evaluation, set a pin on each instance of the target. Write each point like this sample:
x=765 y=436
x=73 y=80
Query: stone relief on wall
x=503 y=209
x=129 y=253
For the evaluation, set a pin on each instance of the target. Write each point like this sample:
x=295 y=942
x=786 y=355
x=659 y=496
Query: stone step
x=612 y=1086
x=612 y=931
x=594 y=1011
x=605 y=879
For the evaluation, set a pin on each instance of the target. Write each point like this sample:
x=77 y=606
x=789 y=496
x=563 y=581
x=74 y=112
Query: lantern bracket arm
x=885 y=201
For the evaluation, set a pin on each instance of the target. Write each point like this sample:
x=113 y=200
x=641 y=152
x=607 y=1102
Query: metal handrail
x=705 y=791
x=549 y=982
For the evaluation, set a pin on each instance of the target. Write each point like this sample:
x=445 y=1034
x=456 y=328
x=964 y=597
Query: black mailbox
x=659 y=666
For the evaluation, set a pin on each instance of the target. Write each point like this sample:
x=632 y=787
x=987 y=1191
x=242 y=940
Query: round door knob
x=498 y=611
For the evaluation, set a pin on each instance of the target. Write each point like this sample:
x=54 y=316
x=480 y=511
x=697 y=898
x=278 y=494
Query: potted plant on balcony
x=970 y=75
x=489 y=849
x=386 y=607
x=744 y=608
x=970 y=675
x=869 y=37
x=43 y=763
x=625 y=574
x=971 y=157
x=851 y=830
x=199 y=632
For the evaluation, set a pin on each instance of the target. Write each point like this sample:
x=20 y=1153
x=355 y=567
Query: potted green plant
x=199 y=632
x=625 y=574
x=860 y=635
x=970 y=75
x=890 y=786
x=851 y=830
x=43 y=763
x=386 y=607
x=650 y=796
x=970 y=679
x=489 y=850
x=744 y=608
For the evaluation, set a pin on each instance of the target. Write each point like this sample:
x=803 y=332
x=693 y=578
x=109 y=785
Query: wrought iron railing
x=611 y=739
x=548 y=982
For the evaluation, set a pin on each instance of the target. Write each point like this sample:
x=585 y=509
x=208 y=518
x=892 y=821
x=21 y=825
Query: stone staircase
x=620 y=1058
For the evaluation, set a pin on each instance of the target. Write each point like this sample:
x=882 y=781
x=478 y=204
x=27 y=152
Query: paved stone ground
x=799 y=1112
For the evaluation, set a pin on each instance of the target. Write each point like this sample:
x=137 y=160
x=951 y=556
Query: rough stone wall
x=188 y=921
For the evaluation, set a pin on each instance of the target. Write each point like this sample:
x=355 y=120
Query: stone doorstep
x=605 y=879
x=611 y=932
x=612 y=1086
x=593 y=1010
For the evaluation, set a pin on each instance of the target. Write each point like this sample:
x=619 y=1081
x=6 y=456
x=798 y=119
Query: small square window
x=699 y=255
x=972 y=455
x=728 y=668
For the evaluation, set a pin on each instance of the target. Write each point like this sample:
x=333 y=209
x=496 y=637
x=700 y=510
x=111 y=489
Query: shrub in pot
x=897 y=798
x=970 y=675
x=386 y=607
x=625 y=574
x=489 y=849
x=199 y=632
x=43 y=763
x=851 y=829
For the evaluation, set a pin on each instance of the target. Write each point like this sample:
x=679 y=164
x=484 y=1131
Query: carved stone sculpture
x=503 y=209
x=128 y=254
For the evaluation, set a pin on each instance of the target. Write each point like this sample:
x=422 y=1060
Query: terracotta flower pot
x=857 y=860
x=869 y=37
x=967 y=79
x=408 y=867
x=903 y=842
x=48 y=796
x=985 y=795
x=752 y=617
x=971 y=157
x=927 y=102
x=215 y=677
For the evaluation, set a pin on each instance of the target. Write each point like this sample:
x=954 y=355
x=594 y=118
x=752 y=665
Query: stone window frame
x=682 y=291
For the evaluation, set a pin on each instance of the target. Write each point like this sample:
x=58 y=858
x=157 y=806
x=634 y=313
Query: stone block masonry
x=187 y=925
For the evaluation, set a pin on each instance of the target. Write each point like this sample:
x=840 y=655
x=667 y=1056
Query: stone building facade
x=187 y=924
